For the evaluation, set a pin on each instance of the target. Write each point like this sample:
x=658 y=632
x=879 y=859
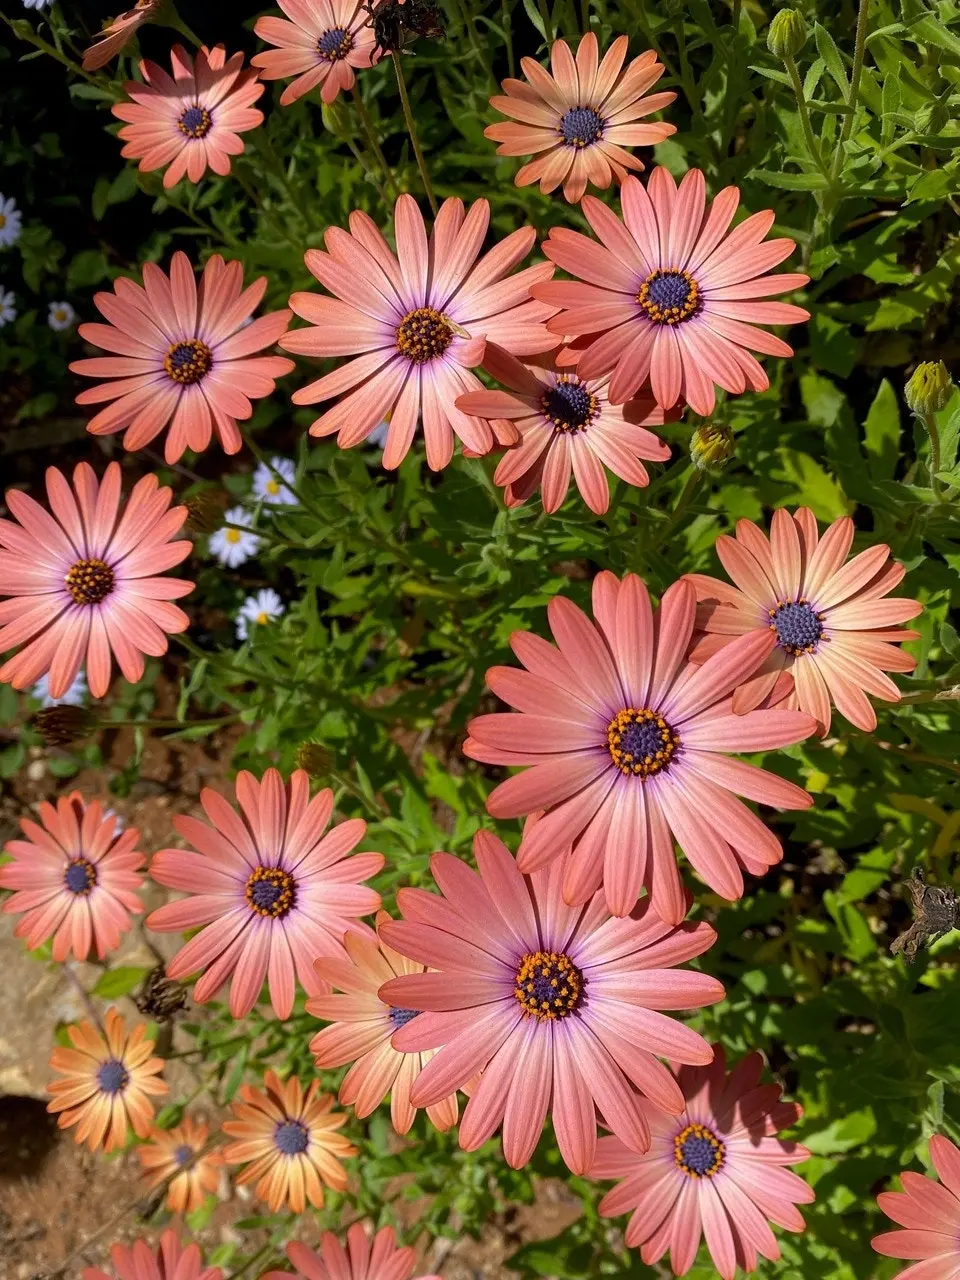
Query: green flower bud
x=313 y=758
x=930 y=388
x=712 y=446
x=335 y=118
x=787 y=34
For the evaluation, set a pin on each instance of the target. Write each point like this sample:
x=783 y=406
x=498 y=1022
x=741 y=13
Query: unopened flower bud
x=313 y=758
x=334 y=118
x=204 y=511
x=787 y=34
x=930 y=388
x=712 y=446
x=61 y=725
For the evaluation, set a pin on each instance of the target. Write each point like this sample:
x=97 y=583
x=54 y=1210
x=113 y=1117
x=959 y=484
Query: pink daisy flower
x=417 y=322
x=191 y=121
x=361 y=1031
x=834 y=633
x=363 y=1258
x=75 y=878
x=274 y=892
x=322 y=44
x=628 y=745
x=557 y=1006
x=83 y=581
x=565 y=424
x=715 y=1169
x=117 y=34
x=185 y=356
x=668 y=296
x=581 y=117
x=171 y=1261
x=930 y=1213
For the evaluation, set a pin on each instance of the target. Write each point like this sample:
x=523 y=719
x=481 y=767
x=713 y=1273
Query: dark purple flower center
x=423 y=335
x=89 y=581
x=641 y=743
x=400 y=1017
x=669 y=296
x=581 y=126
x=292 y=1137
x=798 y=626
x=112 y=1076
x=698 y=1151
x=183 y=1154
x=271 y=892
x=188 y=361
x=195 y=122
x=568 y=404
x=334 y=44
x=80 y=876
x=548 y=985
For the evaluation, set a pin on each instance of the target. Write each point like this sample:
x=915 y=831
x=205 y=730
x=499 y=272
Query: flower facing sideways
x=271 y=891
x=322 y=44
x=288 y=1140
x=171 y=1261
x=835 y=634
x=116 y=35
x=106 y=1082
x=558 y=1007
x=361 y=1031
x=627 y=742
x=363 y=1258
x=11 y=222
x=669 y=295
x=415 y=323
x=929 y=1213
x=190 y=121
x=74 y=878
x=566 y=425
x=170 y=1152
x=716 y=1169
x=579 y=120
x=84 y=582
x=185 y=356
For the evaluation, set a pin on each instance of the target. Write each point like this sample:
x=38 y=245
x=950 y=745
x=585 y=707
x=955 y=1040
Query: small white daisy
x=37 y=4
x=8 y=312
x=74 y=697
x=259 y=609
x=233 y=546
x=10 y=222
x=61 y=316
x=378 y=436
x=268 y=488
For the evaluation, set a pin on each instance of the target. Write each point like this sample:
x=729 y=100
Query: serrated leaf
x=792 y=181
x=827 y=48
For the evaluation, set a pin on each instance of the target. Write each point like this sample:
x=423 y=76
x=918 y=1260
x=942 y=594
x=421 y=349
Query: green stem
x=231 y=668
x=39 y=43
x=414 y=136
x=858 y=52
x=264 y=144
x=371 y=136
x=806 y=126
x=929 y=421
x=168 y=724
x=174 y=20
x=267 y=535
x=377 y=811
x=683 y=501
x=264 y=461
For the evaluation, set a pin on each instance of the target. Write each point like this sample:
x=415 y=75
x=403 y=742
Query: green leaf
x=827 y=48
x=119 y=982
x=792 y=181
x=881 y=431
